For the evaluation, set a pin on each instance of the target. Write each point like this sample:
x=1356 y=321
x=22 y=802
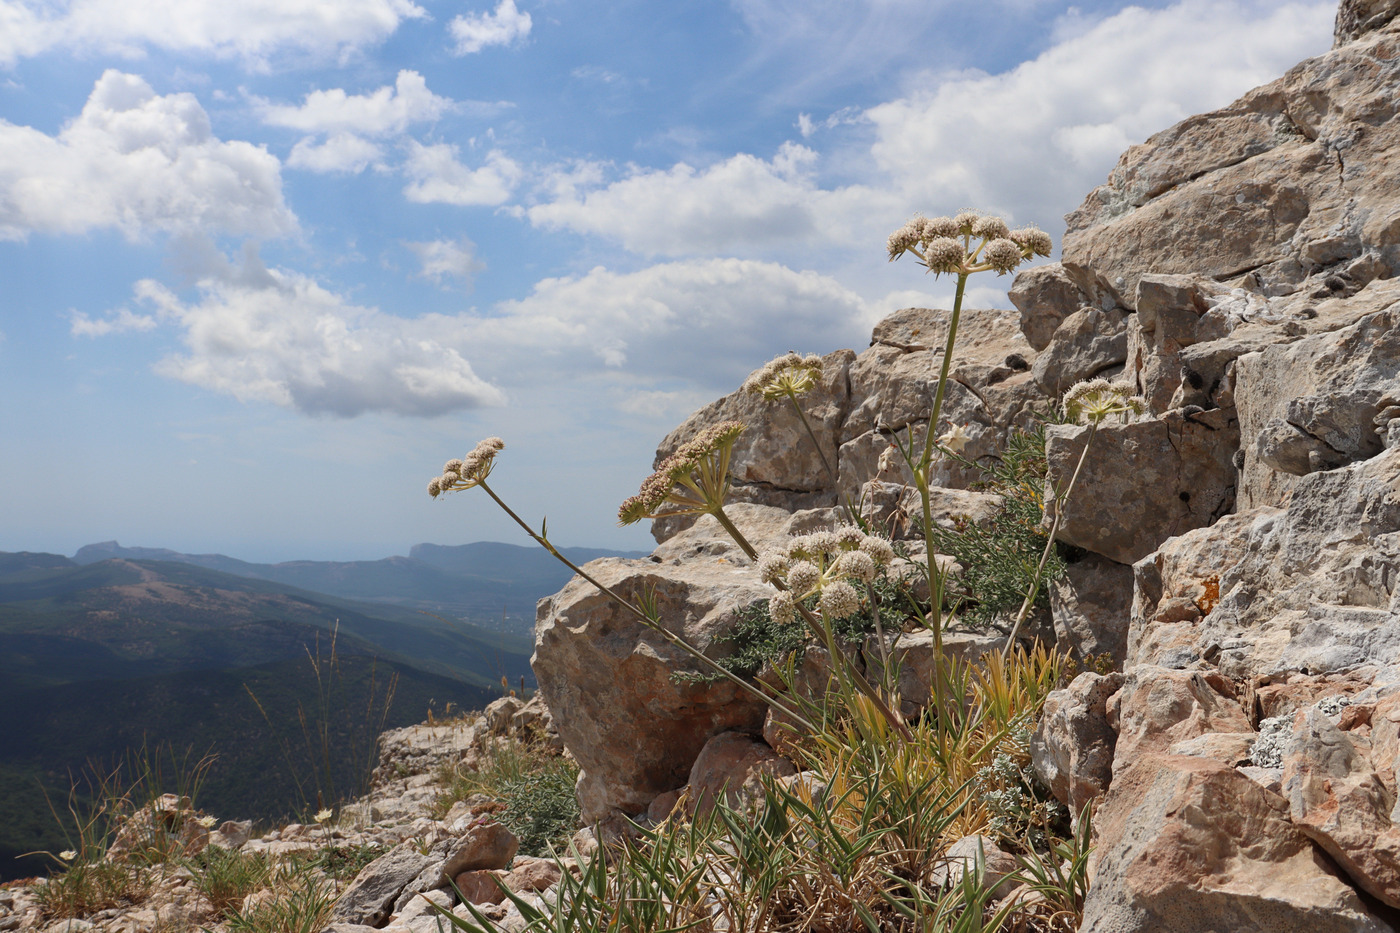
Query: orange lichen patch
x=1210 y=595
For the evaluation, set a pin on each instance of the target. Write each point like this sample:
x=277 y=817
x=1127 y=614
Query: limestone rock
x=478 y=887
x=1191 y=844
x=1144 y=482
x=966 y=854
x=1091 y=606
x=1158 y=708
x=1340 y=786
x=1314 y=403
x=1044 y=296
x=1072 y=748
x=1315 y=589
x=733 y=764
x=1087 y=343
x=370 y=897
x=607 y=678
x=1287 y=187
x=1179 y=585
x=1357 y=17
x=487 y=845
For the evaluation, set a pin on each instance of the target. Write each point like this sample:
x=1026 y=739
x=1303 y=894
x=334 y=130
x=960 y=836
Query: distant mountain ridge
x=480 y=581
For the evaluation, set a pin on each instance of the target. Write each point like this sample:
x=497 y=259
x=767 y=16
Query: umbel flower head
x=970 y=242
x=787 y=376
x=1096 y=400
x=692 y=481
x=827 y=564
x=470 y=471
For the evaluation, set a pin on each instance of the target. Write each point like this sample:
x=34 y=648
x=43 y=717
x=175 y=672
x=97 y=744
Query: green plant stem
x=921 y=478
x=815 y=443
x=735 y=533
x=1060 y=499
x=647 y=620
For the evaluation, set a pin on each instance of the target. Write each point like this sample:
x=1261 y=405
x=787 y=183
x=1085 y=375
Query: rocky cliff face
x=1239 y=269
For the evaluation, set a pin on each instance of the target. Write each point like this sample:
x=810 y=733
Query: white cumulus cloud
x=117 y=322
x=280 y=337
x=387 y=110
x=436 y=176
x=447 y=259
x=1039 y=137
x=137 y=162
x=1028 y=143
x=741 y=202
x=252 y=31
x=342 y=152
x=503 y=26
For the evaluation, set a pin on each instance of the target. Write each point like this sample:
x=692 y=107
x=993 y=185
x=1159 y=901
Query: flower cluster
x=470 y=471
x=825 y=564
x=693 y=480
x=790 y=375
x=970 y=242
x=1095 y=400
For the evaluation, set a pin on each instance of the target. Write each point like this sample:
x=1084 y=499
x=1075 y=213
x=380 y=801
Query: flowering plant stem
x=921 y=479
x=821 y=628
x=648 y=620
x=831 y=474
x=1060 y=500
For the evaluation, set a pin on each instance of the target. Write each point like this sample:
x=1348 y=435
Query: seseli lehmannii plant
x=960 y=246
x=790 y=377
x=704 y=465
x=1091 y=403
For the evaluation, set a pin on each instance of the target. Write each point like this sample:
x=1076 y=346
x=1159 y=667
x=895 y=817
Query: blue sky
x=265 y=266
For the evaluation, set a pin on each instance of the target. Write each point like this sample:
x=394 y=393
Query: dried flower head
x=803 y=577
x=323 y=815
x=955 y=438
x=839 y=600
x=856 y=565
x=787 y=376
x=1002 y=255
x=970 y=242
x=68 y=855
x=772 y=565
x=1032 y=240
x=990 y=228
x=470 y=471
x=880 y=550
x=1095 y=400
x=781 y=608
x=208 y=822
x=692 y=481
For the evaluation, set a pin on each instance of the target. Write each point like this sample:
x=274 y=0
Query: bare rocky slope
x=1243 y=542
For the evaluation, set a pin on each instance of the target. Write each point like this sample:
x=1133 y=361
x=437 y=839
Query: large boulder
x=1091 y=606
x=1293 y=189
x=1072 y=748
x=1158 y=708
x=1044 y=296
x=610 y=681
x=1141 y=483
x=1189 y=844
x=1317 y=403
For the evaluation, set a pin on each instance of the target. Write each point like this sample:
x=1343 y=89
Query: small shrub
x=225 y=876
x=87 y=886
x=301 y=902
x=343 y=863
x=541 y=808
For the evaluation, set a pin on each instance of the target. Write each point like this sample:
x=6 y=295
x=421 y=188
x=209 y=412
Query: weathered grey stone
x=1092 y=606
x=1044 y=296
x=1144 y=482
x=487 y=845
x=1178 y=585
x=733 y=764
x=1358 y=17
x=1286 y=188
x=1313 y=404
x=1315 y=590
x=370 y=898
x=1341 y=790
x=1072 y=748
x=894 y=508
x=1191 y=844
x=1158 y=708
x=1086 y=343
x=607 y=678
